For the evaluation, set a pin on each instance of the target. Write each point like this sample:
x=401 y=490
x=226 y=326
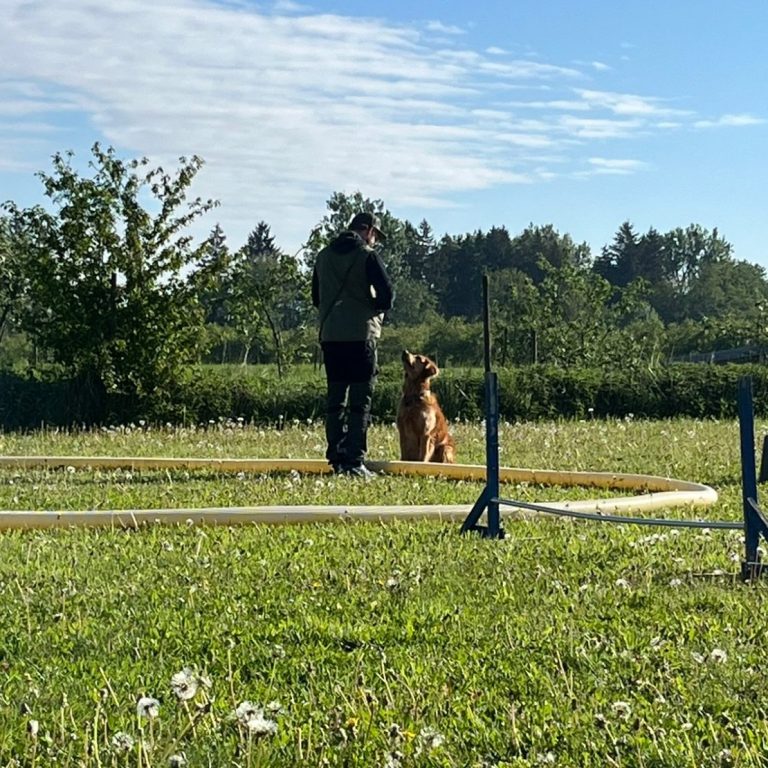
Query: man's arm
x=379 y=279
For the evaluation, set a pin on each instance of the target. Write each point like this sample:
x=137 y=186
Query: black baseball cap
x=365 y=219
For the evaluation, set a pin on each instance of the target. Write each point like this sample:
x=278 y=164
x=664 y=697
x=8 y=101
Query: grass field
x=571 y=644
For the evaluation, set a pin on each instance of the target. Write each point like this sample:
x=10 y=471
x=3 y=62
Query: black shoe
x=358 y=470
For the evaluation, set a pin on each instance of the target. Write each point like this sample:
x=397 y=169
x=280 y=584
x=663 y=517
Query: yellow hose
x=655 y=492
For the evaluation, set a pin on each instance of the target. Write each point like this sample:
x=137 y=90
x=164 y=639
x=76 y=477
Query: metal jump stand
x=754 y=519
x=489 y=498
x=755 y=522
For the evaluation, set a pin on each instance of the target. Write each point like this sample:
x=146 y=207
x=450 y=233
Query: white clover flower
x=675 y=582
x=547 y=758
x=122 y=742
x=184 y=684
x=33 y=726
x=686 y=726
x=177 y=761
x=718 y=655
x=70 y=469
x=623 y=583
x=274 y=707
x=147 y=706
x=621 y=709
x=697 y=657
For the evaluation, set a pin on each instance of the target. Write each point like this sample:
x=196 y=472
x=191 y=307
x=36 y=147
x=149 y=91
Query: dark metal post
x=752 y=522
x=489 y=498
x=763 y=476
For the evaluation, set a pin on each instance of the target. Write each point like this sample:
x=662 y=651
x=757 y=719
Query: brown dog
x=422 y=426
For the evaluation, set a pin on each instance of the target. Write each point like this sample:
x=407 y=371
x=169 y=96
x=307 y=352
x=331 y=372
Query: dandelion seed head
x=122 y=742
x=394 y=759
x=261 y=726
x=184 y=684
x=246 y=710
x=148 y=707
x=621 y=709
x=431 y=739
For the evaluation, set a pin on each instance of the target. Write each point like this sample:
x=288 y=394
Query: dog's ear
x=430 y=369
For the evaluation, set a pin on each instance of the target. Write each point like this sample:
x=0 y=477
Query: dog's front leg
x=426 y=447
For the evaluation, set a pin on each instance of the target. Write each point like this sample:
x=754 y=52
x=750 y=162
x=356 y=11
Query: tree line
x=105 y=284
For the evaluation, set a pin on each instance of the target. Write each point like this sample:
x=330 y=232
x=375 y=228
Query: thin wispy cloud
x=730 y=121
x=614 y=166
x=445 y=29
x=287 y=106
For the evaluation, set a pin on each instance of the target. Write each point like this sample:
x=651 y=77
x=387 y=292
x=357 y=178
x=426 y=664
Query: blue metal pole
x=488 y=501
x=492 y=453
x=748 y=471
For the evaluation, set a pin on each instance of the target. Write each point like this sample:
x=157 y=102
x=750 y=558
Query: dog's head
x=418 y=367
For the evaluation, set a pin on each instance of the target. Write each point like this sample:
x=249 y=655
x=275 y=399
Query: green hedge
x=526 y=393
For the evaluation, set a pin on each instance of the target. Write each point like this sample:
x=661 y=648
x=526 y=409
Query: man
x=352 y=290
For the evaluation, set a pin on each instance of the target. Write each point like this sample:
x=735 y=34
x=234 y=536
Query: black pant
x=350 y=368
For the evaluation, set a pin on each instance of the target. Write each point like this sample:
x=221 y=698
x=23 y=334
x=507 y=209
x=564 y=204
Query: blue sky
x=469 y=115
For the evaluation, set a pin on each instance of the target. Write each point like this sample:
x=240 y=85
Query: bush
x=255 y=394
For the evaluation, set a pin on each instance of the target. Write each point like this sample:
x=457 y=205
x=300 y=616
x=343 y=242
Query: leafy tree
x=214 y=298
x=573 y=307
x=536 y=246
x=13 y=275
x=723 y=288
x=266 y=286
x=689 y=250
x=114 y=287
x=515 y=313
x=458 y=274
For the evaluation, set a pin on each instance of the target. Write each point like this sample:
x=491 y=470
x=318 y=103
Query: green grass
x=572 y=644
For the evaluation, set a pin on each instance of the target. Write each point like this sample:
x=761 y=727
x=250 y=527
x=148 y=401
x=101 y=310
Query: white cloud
x=288 y=106
x=626 y=103
x=615 y=166
x=730 y=121
x=445 y=29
